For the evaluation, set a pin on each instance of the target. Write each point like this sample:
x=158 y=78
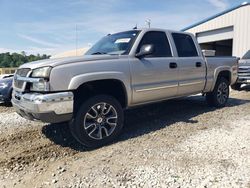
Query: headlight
x=43 y=72
x=3 y=85
x=43 y=84
x=40 y=86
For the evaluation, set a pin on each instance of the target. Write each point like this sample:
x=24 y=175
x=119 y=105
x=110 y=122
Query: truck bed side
x=217 y=65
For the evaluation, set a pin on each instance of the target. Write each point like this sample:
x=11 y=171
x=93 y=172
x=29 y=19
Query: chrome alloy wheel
x=100 y=121
x=222 y=93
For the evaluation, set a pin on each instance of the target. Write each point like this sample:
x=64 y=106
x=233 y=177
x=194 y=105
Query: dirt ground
x=177 y=143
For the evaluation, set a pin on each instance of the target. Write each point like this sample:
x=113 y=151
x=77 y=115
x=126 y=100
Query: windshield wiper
x=98 y=53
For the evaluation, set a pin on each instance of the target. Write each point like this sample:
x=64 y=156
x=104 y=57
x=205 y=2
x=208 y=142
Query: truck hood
x=6 y=80
x=68 y=60
x=244 y=62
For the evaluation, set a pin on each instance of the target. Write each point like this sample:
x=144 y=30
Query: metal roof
x=217 y=15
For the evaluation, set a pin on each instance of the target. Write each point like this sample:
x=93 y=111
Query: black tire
x=219 y=96
x=8 y=100
x=7 y=103
x=236 y=86
x=84 y=124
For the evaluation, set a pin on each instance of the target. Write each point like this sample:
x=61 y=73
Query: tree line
x=15 y=59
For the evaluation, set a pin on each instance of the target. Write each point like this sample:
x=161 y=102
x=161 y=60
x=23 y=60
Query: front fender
x=78 y=80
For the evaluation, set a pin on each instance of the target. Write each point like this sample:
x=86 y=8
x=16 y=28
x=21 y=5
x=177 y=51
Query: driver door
x=155 y=76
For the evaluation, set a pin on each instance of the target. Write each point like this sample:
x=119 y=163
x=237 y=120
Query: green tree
x=16 y=59
x=7 y=60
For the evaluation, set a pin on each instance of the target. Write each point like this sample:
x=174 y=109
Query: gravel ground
x=177 y=143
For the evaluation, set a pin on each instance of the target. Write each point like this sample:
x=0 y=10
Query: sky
x=49 y=26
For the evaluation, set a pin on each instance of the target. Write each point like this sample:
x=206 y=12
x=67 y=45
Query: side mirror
x=146 y=49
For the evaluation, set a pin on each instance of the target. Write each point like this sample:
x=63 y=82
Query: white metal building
x=71 y=53
x=228 y=32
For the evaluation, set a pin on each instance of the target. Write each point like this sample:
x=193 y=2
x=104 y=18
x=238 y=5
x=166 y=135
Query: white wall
x=239 y=19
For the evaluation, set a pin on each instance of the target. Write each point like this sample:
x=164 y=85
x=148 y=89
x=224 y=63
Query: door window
x=185 y=45
x=160 y=42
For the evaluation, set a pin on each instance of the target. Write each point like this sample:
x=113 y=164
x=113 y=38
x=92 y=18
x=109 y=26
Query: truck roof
x=154 y=29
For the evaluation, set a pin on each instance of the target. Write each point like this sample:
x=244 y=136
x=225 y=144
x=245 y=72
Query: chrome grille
x=244 y=72
x=22 y=73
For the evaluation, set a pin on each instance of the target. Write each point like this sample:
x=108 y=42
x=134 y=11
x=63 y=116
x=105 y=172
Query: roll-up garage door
x=215 y=35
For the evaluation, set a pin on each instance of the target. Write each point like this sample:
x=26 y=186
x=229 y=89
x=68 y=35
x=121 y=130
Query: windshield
x=115 y=44
x=247 y=55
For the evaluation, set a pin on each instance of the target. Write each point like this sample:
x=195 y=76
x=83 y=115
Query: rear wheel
x=219 y=96
x=98 y=121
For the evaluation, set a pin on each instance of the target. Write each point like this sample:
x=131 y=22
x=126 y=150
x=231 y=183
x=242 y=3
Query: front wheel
x=98 y=121
x=219 y=96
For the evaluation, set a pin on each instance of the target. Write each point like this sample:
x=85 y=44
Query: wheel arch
x=108 y=86
x=222 y=72
x=77 y=81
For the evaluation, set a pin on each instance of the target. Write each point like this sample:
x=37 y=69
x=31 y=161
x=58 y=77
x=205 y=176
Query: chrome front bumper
x=243 y=80
x=51 y=108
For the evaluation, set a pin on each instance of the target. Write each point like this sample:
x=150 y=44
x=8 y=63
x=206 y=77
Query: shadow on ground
x=143 y=120
x=2 y=104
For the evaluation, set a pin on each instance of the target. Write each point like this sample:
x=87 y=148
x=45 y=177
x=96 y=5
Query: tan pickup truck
x=121 y=71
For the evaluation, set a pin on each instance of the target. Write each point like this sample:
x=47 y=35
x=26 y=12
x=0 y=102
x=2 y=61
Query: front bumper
x=3 y=95
x=243 y=80
x=49 y=108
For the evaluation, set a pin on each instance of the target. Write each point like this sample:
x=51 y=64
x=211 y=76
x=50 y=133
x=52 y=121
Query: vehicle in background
x=2 y=76
x=121 y=71
x=243 y=72
x=6 y=90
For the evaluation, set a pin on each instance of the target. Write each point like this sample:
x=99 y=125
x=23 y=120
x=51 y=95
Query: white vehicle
x=243 y=72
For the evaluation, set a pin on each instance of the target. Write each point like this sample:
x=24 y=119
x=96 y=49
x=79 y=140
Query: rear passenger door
x=192 y=67
x=154 y=77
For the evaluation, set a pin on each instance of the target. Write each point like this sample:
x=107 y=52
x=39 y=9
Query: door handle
x=198 y=64
x=172 y=65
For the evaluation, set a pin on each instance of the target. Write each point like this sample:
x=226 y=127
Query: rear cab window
x=185 y=45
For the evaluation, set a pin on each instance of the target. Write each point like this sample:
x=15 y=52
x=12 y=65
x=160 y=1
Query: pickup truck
x=243 y=72
x=121 y=71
